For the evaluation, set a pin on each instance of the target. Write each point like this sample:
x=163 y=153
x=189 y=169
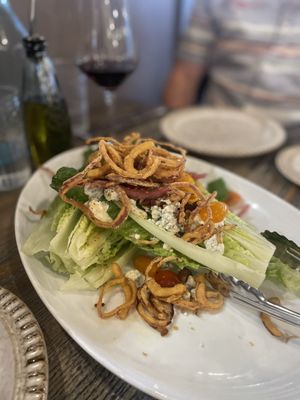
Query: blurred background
x=156 y=24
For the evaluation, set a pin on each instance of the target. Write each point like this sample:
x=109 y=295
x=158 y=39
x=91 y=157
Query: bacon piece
x=138 y=193
x=197 y=176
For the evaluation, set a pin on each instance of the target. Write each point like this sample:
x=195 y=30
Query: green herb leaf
x=77 y=193
x=64 y=173
x=220 y=187
x=61 y=176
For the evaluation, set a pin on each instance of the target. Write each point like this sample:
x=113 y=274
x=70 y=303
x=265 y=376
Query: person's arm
x=193 y=57
x=182 y=85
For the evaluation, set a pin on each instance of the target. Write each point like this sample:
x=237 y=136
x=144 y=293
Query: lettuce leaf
x=97 y=275
x=45 y=229
x=281 y=273
x=247 y=237
x=284 y=267
x=84 y=242
x=58 y=245
x=69 y=243
x=130 y=230
x=253 y=274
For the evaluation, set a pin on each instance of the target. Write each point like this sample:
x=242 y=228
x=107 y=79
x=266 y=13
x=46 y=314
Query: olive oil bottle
x=46 y=117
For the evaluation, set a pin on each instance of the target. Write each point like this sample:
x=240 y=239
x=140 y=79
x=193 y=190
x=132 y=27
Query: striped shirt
x=251 y=49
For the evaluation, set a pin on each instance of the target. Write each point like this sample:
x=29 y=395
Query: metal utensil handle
x=274 y=310
x=259 y=302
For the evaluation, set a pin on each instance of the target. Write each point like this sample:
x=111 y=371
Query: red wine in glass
x=108 y=54
x=108 y=74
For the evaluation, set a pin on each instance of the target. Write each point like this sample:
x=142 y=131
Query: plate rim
x=12 y=311
x=281 y=137
x=278 y=163
x=112 y=367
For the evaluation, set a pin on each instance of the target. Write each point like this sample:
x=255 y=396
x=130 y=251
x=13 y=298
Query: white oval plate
x=23 y=354
x=288 y=163
x=222 y=132
x=226 y=356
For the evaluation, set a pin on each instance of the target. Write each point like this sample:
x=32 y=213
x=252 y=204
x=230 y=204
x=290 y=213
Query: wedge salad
x=133 y=217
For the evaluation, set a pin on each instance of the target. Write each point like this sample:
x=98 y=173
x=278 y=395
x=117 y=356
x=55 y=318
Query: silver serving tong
x=242 y=292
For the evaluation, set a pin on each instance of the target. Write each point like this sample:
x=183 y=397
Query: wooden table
x=73 y=373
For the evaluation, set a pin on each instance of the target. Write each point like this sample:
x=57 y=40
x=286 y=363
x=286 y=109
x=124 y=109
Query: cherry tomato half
x=166 y=278
x=218 y=210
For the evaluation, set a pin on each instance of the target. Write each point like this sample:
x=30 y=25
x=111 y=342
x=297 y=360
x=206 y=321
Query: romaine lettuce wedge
x=85 y=242
x=281 y=273
x=134 y=233
x=58 y=245
x=251 y=274
x=45 y=229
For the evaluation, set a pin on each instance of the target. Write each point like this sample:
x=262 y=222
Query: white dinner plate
x=228 y=356
x=23 y=354
x=222 y=132
x=288 y=163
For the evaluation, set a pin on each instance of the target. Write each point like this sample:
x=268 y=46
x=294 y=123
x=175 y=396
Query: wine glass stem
x=109 y=100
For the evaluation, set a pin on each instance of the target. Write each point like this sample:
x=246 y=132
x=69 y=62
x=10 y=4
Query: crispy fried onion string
x=133 y=182
x=190 y=186
x=156 y=263
x=153 y=298
x=272 y=327
x=200 y=204
x=181 y=214
x=209 y=300
x=131 y=172
x=217 y=283
x=146 y=171
x=41 y=213
x=123 y=200
x=154 y=303
x=200 y=233
x=171 y=146
x=139 y=159
x=155 y=312
x=130 y=292
x=98 y=172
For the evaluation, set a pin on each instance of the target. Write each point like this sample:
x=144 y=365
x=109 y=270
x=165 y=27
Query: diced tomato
x=166 y=278
x=233 y=198
x=141 y=263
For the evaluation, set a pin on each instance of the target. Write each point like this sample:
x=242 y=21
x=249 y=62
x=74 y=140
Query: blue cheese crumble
x=212 y=244
x=166 y=216
x=136 y=277
x=111 y=195
x=93 y=192
x=99 y=209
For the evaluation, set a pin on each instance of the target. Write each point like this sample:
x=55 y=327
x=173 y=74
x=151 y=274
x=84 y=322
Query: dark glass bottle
x=46 y=117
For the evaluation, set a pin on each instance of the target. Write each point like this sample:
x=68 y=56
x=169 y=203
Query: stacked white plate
x=222 y=132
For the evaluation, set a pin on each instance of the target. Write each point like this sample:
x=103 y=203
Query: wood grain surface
x=74 y=375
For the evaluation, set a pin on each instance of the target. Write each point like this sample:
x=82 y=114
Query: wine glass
x=109 y=52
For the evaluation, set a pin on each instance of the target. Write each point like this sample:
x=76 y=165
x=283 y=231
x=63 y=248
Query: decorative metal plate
x=23 y=354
